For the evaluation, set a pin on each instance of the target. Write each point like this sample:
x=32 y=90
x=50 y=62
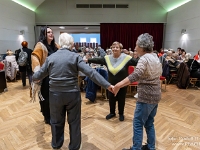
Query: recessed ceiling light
x=86 y=28
x=25 y=4
x=61 y=27
x=178 y=4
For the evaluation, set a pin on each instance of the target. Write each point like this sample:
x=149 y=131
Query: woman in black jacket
x=194 y=68
x=26 y=69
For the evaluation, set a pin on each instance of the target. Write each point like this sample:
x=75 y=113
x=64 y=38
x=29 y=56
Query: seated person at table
x=194 y=67
x=197 y=57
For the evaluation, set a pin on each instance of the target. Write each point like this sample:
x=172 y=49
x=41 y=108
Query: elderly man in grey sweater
x=63 y=67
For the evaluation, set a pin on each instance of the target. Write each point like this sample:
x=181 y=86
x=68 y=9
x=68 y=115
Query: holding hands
x=114 y=89
x=110 y=88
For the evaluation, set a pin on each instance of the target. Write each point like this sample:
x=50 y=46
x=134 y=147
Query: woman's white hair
x=187 y=57
x=66 y=41
x=169 y=53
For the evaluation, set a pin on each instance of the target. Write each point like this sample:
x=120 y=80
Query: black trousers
x=23 y=76
x=44 y=105
x=120 y=97
x=60 y=102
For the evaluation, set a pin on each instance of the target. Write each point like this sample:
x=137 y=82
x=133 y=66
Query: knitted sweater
x=147 y=73
x=63 y=67
x=117 y=67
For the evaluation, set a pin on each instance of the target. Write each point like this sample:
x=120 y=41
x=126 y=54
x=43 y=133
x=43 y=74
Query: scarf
x=38 y=58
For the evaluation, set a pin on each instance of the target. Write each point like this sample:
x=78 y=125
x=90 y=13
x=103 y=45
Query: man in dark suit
x=25 y=70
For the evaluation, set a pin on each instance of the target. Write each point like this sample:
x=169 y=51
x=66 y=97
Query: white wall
x=185 y=17
x=63 y=12
x=14 y=18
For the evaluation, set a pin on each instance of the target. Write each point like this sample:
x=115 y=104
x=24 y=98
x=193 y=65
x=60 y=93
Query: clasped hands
x=113 y=89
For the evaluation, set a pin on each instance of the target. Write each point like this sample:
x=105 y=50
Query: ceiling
x=168 y=5
x=30 y=4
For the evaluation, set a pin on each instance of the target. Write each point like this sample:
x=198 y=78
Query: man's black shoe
x=145 y=147
x=56 y=148
x=109 y=116
x=121 y=117
x=47 y=121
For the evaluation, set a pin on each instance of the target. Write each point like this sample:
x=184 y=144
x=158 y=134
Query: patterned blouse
x=147 y=73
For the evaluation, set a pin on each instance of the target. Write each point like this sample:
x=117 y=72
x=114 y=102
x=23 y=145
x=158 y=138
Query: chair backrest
x=1 y=66
x=130 y=69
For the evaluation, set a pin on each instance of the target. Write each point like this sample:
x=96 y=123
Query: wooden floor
x=177 y=122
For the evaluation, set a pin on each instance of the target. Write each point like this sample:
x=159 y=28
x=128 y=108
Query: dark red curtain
x=127 y=33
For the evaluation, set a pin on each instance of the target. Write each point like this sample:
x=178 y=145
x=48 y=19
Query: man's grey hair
x=66 y=41
x=145 y=41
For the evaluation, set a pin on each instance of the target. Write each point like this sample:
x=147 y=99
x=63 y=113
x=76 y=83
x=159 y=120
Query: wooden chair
x=134 y=84
x=193 y=82
x=81 y=81
x=104 y=93
x=163 y=79
x=130 y=69
x=173 y=75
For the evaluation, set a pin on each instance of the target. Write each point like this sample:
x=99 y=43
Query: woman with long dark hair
x=44 y=47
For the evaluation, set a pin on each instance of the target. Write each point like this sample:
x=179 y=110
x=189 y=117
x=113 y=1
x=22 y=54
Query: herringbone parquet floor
x=177 y=122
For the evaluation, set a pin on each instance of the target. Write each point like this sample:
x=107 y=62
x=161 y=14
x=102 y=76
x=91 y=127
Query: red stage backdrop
x=127 y=33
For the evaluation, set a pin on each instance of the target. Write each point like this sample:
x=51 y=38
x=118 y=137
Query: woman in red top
x=197 y=57
x=161 y=52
